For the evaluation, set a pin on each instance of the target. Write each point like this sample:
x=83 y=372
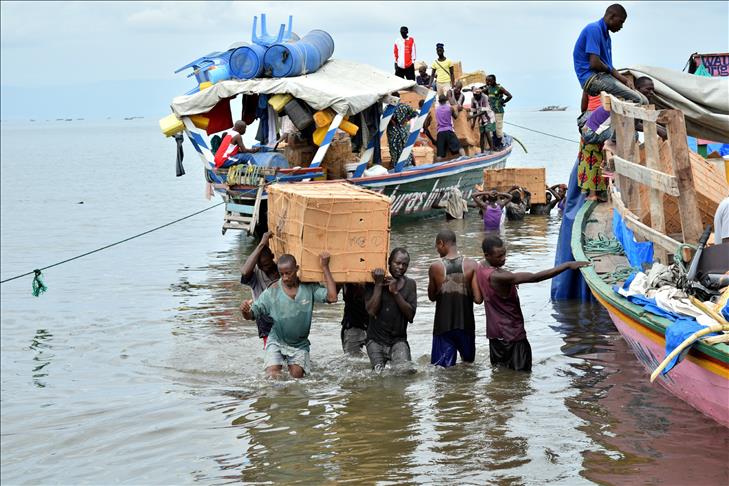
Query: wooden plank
x=630 y=110
x=625 y=149
x=240 y=219
x=239 y=208
x=688 y=206
x=640 y=229
x=650 y=177
x=652 y=157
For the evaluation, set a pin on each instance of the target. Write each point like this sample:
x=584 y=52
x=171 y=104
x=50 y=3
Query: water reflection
x=41 y=345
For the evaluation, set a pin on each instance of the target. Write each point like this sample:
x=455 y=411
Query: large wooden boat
x=664 y=194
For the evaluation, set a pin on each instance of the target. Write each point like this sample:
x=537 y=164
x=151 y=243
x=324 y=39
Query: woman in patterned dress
x=398 y=131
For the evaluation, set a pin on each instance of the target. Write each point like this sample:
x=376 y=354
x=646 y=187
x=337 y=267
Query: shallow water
x=136 y=366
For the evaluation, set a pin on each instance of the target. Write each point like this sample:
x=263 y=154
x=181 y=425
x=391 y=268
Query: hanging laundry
x=220 y=117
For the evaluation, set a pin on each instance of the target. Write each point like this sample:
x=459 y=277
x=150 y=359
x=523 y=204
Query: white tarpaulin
x=704 y=101
x=346 y=87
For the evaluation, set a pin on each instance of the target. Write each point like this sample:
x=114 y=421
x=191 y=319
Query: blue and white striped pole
x=415 y=131
x=322 y=151
x=367 y=155
x=199 y=138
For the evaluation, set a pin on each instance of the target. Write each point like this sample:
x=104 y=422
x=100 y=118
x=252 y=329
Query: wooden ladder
x=243 y=216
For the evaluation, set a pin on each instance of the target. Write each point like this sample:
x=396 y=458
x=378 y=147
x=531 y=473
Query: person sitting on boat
x=593 y=58
x=405 y=55
x=508 y=344
x=391 y=304
x=290 y=304
x=516 y=208
x=481 y=111
x=453 y=287
x=232 y=150
x=491 y=204
x=456 y=97
x=398 y=130
x=498 y=97
x=442 y=71
x=259 y=272
x=423 y=78
x=354 y=319
x=446 y=141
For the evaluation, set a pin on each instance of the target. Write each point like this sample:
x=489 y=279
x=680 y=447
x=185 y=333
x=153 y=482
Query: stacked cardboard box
x=349 y=222
x=533 y=179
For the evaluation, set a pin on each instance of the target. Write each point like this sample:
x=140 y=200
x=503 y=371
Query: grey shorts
x=353 y=340
x=380 y=354
x=278 y=354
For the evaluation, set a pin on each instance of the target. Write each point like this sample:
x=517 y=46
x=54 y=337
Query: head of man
x=404 y=32
x=494 y=251
x=442 y=99
x=458 y=87
x=615 y=16
x=644 y=85
x=240 y=127
x=516 y=197
x=440 y=50
x=444 y=241
x=423 y=70
x=477 y=94
x=548 y=195
x=288 y=270
x=490 y=80
x=266 y=262
x=398 y=262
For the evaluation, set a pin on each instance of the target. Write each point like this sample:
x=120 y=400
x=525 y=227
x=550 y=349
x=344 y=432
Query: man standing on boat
x=446 y=140
x=481 y=111
x=498 y=97
x=442 y=71
x=452 y=285
x=593 y=58
x=259 y=272
x=405 y=55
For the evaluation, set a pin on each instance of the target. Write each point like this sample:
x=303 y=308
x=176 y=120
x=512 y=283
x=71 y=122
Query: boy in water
x=290 y=304
x=505 y=331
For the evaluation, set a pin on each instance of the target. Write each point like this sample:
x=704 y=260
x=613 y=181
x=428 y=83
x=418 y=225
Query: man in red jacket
x=405 y=55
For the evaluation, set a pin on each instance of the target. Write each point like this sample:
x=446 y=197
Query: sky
x=99 y=59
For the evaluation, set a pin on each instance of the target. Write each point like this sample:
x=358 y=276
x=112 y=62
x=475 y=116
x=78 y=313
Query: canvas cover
x=704 y=101
x=345 y=86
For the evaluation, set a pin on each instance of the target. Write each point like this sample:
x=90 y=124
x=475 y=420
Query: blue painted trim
x=239 y=208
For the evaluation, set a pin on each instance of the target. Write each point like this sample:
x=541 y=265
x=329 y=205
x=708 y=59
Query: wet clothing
x=353 y=340
x=454 y=302
x=504 y=319
x=516 y=356
x=389 y=326
x=379 y=354
x=291 y=317
x=355 y=319
x=515 y=211
x=398 y=131
x=258 y=282
x=493 y=217
x=446 y=345
x=278 y=354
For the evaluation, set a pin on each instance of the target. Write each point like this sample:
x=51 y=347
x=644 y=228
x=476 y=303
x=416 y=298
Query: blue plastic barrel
x=300 y=57
x=246 y=62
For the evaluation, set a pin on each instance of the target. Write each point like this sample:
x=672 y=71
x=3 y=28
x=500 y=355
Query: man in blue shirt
x=593 y=58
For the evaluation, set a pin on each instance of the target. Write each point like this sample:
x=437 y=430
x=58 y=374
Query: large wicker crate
x=351 y=223
x=533 y=178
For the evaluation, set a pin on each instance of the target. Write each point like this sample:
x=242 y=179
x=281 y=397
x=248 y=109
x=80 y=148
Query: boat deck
x=599 y=225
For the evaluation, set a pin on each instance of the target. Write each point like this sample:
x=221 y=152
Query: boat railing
x=654 y=173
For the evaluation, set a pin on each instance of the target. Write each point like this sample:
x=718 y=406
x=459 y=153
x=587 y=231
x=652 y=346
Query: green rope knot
x=38 y=286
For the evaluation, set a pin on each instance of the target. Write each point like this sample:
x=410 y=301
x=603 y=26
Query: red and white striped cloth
x=405 y=52
x=226 y=150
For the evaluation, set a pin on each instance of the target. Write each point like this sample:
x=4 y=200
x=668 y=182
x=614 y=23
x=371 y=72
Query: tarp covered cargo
x=345 y=86
x=704 y=101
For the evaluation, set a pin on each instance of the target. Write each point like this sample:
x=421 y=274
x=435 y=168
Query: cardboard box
x=457 y=70
x=423 y=155
x=351 y=223
x=533 y=178
x=476 y=77
x=466 y=132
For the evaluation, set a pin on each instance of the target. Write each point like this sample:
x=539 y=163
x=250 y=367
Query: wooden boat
x=553 y=108
x=702 y=379
x=415 y=190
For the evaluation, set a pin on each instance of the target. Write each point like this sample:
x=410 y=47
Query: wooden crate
x=533 y=178
x=349 y=222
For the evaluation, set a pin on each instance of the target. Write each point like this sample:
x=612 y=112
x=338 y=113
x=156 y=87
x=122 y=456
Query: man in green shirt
x=290 y=304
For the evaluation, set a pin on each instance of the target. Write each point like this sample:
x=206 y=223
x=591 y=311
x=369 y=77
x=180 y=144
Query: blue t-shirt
x=594 y=39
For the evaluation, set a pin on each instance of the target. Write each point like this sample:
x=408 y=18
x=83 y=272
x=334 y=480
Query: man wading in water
x=391 y=303
x=453 y=287
x=508 y=343
x=290 y=304
x=259 y=272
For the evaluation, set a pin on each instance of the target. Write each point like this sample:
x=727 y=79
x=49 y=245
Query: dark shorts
x=380 y=354
x=445 y=346
x=447 y=141
x=407 y=73
x=353 y=340
x=516 y=356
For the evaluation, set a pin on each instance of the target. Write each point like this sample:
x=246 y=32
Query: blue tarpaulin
x=637 y=253
x=569 y=284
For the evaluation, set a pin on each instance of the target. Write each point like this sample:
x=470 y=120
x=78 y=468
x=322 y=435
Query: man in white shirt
x=405 y=55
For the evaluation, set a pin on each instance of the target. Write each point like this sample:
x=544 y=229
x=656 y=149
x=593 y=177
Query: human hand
x=378 y=275
x=577 y=265
x=266 y=236
x=391 y=285
x=245 y=307
x=324 y=258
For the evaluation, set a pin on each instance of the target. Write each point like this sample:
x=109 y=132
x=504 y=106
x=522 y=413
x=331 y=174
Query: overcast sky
x=118 y=58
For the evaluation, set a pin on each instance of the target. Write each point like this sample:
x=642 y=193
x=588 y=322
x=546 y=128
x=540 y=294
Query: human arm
x=252 y=310
x=478 y=199
x=328 y=279
x=472 y=266
x=245 y=309
x=396 y=55
x=450 y=71
x=238 y=140
x=597 y=65
x=372 y=304
x=584 y=102
x=250 y=264
x=505 y=279
x=436 y=275
x=505 y=93
x=406 y=306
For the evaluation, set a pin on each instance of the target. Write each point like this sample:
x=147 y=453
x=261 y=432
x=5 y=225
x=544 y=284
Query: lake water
x=136 y=366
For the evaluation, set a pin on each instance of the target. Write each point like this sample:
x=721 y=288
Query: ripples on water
x=136 y=366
